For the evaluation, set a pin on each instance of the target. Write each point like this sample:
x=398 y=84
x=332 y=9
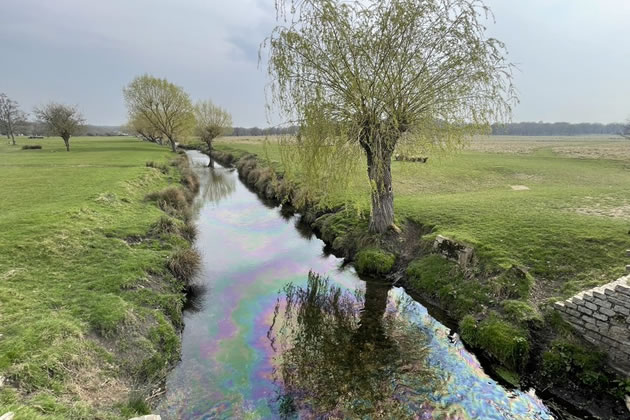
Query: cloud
x=573 y=62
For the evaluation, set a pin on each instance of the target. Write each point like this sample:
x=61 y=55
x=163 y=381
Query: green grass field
x=81 y=320
x=558 y=206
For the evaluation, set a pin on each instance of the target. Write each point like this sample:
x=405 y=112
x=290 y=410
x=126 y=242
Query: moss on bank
x=494 y=305
x=504 y=341
x=374 y=261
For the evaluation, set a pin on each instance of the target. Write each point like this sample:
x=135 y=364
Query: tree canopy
x=212 y=121
x=142 y=127
x=379 y=75
x=61 y=120
x=167 y=107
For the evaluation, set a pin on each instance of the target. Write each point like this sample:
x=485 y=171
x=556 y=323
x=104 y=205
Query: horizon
x=570 y=68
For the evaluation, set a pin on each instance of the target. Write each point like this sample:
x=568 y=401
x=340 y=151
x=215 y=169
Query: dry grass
x=616 y=151
x=184 y=264
x=604 y=207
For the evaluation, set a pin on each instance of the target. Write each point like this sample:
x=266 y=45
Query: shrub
x=188 y=231
x=169 y=199
x=374 y=261
x=504 y=341
x=165 y=225
x=190 y=180
x=31 y=147
x=184 y=264
x=161 y=166
x=265 y=177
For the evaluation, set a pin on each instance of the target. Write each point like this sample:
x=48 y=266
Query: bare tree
x=10 y=116
x=165 y=106
x=212 y=122
x=61 y=120
x=377 y=75
x=625 y=131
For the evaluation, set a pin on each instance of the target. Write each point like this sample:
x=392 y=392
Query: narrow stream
x=284 y=330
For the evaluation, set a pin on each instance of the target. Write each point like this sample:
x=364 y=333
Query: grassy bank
x=569 y=228
x=89 y=311
x=546 y=217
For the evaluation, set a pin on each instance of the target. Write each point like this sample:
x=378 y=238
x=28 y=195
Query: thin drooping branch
x=378 y=75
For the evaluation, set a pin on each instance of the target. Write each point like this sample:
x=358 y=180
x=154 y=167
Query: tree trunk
x=10 y=129
x=211 y=162
x=173 y=145
x=380 y=174
x=371 y=328
x=66 y=140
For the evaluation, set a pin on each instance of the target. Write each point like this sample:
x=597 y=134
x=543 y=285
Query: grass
x=88 y=308
x=546 y=216
x=569 y=229
x=505 y=341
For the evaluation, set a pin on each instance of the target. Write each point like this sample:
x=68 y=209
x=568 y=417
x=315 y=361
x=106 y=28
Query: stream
x=283 y=329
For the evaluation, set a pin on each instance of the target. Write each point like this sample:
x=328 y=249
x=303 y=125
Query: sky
x=573 y=56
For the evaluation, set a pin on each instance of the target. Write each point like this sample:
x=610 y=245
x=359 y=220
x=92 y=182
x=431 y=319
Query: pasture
x=557 y=206
x=79 y=319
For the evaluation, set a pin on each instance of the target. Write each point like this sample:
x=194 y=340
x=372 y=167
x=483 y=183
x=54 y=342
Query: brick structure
x=602 y=316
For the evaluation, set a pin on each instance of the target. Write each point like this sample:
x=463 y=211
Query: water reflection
x=195 y=298
x=345 y=355
x=344 y=348
x=216 y=185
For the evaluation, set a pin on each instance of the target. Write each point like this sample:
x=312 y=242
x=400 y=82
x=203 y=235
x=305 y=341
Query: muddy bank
x=536 y=350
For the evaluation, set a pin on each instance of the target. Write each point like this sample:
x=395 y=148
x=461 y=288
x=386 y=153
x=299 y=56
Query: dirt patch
x=508 y=146
x=620 y=212
x=519 y=188
x=97 y=387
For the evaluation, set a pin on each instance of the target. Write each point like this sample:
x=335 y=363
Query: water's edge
x=563 y=404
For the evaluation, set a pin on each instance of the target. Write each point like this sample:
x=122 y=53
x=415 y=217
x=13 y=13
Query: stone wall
x=602 y=316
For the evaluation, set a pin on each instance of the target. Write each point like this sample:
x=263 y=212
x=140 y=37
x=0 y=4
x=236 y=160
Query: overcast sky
x=573 y=55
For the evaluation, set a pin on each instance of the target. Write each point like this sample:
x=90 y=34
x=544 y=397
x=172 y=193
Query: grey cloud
x=572 y=54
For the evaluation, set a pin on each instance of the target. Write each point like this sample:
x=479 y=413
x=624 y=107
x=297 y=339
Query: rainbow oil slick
x=286 y=331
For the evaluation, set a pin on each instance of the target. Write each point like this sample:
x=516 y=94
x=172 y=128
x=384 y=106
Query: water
x=284 y=330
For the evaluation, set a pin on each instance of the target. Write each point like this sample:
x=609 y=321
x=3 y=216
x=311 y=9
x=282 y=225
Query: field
x=80 y=320
x=557 y=206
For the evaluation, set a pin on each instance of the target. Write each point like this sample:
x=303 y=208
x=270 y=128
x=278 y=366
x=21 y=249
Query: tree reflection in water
x=216 y=185
x=340 y=355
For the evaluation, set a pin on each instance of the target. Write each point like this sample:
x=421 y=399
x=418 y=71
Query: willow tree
x=139 y=126
x=165 y=106
x=380 y=74
x=212 y=122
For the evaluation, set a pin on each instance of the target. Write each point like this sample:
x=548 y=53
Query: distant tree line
x=269 y=131
x=557 y=129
